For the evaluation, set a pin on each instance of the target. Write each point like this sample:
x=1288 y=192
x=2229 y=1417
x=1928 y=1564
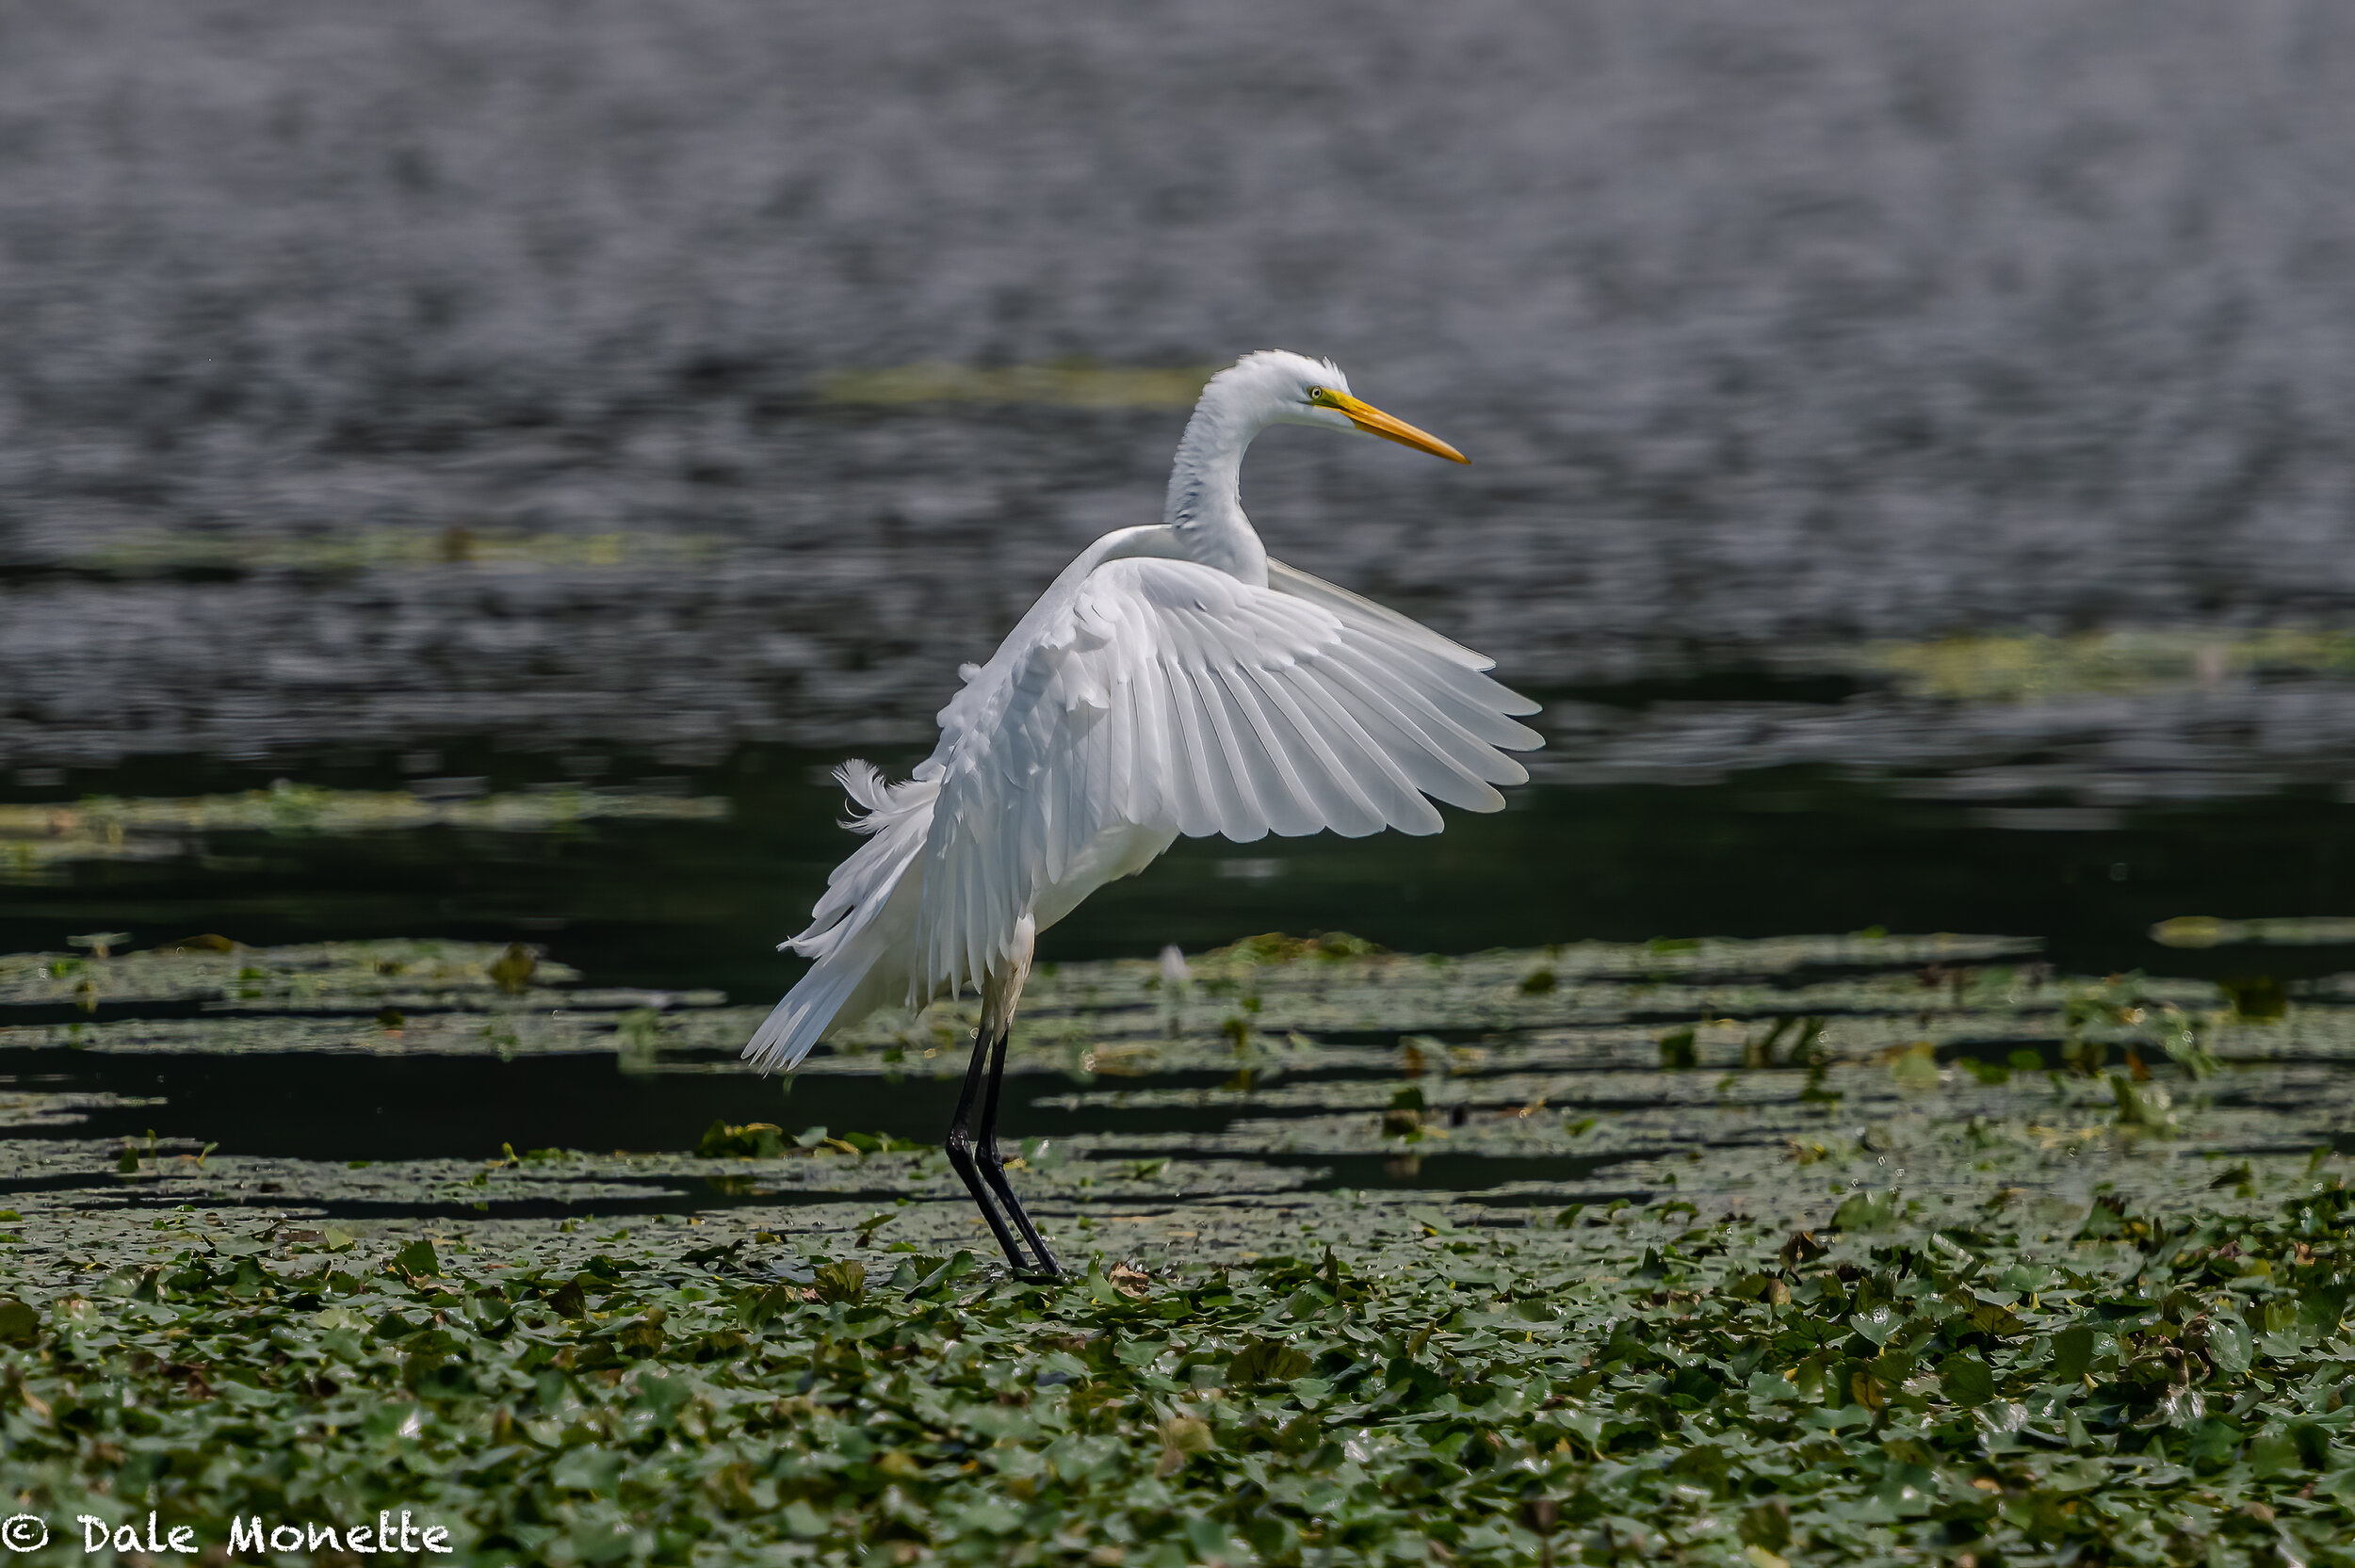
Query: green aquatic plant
x=2160 y=1387
x=1870 y=1310
x=2201 y=930
x=2128 y=1011
x=35 y=840
x=2030 y=667
x=752 y=1140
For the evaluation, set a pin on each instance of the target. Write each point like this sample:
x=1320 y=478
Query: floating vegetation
x=347 y=549
x=2035 y=668
x=1072 y=384
x=2201 y=930
x=1839 y=1249
x=345 y=976
x=34 y=838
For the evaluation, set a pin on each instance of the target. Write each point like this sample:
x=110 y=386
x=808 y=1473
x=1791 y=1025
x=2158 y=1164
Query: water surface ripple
x=379 y=374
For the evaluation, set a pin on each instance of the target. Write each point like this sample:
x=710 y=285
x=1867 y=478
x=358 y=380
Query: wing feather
x=1230 y=762
x=1396 y=761
x=1120 y=739
x=1331 y=772
x=1424 y=743
x=1472 y=700
x=1462 y=746
x=1283 y=801
x=1149 y=800
x=1185 y=730
x=1403 y=765
x=1168 y=696
x=1358 y=610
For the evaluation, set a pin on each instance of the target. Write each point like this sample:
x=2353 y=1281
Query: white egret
x=1173 y=680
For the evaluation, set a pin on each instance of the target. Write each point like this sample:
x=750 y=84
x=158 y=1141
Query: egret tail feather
x=809 y=1009
x=897 y=818
x=851 y=936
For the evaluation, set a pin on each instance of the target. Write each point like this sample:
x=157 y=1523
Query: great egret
x=1173 y=680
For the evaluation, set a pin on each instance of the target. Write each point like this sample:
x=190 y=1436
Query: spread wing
x=1172 y=697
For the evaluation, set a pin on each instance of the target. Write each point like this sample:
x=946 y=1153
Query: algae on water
x=36 y=838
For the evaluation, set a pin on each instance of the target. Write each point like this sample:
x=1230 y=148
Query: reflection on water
x=670 y=880
x=402 y=1080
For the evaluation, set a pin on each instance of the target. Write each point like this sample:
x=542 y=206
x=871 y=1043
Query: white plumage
x=1173 y=680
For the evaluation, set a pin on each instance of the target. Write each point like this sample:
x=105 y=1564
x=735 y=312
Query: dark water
x=1765 y=853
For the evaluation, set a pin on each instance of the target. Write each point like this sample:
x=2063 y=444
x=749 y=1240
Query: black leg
x=960 y=1151
x=994 y=1166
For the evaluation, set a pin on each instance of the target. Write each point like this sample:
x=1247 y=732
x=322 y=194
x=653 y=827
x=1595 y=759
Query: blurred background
x=528 y=443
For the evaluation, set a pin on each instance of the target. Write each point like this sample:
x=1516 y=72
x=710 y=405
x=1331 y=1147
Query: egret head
x=1294 y=389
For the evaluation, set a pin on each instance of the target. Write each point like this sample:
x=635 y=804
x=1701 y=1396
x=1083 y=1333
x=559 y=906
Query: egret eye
x=1318 y=394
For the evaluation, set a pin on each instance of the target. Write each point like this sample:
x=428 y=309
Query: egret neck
x=1204 y=506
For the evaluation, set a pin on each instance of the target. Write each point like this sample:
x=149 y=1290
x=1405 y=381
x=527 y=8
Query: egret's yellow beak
x=1374 y=422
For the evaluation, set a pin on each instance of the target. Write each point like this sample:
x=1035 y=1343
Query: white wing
x=1358 y=608
x=1169 y=696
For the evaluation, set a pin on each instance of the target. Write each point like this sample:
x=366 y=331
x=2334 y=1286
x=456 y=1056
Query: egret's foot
x=1050 y=1273
x=994 y=1172
x=962 y=1161
x=973 y=1150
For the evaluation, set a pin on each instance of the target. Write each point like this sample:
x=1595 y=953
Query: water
x=696 y=903
x=378 y=376
x=701 y=903
x=1910 y=461
x=389 y=1083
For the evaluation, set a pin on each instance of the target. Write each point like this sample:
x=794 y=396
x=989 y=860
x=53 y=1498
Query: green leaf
x=1877 y=1323
x=1208 y=1538
x=751 y=1140
x=1967 y=1381
x=663 y=1397
x=1915 y=1069
x=1866 y=1211
x=844 y=1280
x=19 y=1323
x=2072 y=1351
x=588 y=1469
x=1766 y=1525
x=989 y=1517
x=2320 y=1307
x=2273 y=1451
x=1266 y=1361
x=2228 y=1347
